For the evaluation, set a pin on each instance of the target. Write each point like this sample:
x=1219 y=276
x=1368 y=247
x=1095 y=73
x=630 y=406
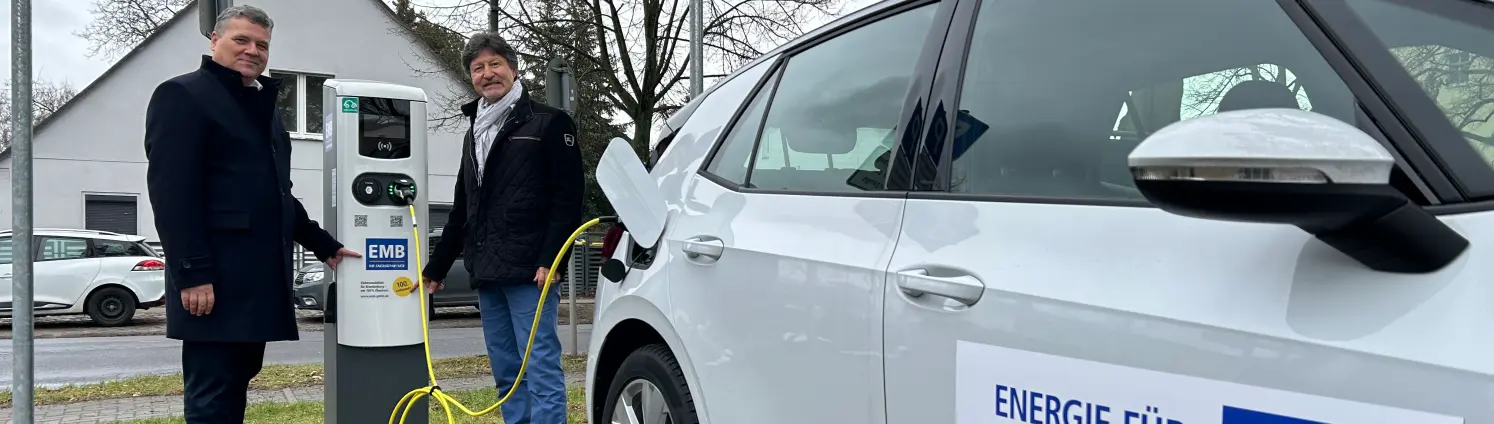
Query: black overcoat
x=220 y=189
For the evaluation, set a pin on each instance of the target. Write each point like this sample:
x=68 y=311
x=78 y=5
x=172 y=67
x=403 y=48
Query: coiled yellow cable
x=434 y=390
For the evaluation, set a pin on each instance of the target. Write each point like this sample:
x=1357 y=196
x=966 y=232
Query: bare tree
x=119 y=25
x=46 y=99
x=1462 y=83
x=645 y=43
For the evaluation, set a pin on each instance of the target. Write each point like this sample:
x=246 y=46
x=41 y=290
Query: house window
x=300 y=101
x=116 y=214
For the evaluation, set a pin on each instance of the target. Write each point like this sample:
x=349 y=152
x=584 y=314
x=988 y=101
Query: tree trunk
x=642 y=135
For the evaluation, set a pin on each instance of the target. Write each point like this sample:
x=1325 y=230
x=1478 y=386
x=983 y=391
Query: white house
x=89 y=160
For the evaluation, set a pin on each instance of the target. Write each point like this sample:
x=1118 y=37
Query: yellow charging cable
x=434 y=390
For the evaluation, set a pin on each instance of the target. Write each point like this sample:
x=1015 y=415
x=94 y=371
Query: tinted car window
x=6 y=255
x=113 y=248
x=1057 y=93
x=1450 y=58
x=829 y=124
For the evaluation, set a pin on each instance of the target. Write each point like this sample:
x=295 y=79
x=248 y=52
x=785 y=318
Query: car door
x=7 y=298
x=778 y=254
x=457 y=288
x=64 y=271
x=1033 y=283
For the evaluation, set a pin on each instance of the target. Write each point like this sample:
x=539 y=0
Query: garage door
x=116 y=214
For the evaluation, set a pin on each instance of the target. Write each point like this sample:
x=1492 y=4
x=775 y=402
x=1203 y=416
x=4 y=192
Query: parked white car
x=1068 y=211
x=104 y=275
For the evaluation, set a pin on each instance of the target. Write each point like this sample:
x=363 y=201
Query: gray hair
x=255 y=15
x=489 y=41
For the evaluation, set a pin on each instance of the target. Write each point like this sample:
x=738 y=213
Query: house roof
x=190 y=11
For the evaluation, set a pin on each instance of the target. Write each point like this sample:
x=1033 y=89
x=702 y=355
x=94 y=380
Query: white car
x=1068 y=211
x=104 y=275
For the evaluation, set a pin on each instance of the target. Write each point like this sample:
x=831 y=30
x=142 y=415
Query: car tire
x=650 y=368
x=110 y=306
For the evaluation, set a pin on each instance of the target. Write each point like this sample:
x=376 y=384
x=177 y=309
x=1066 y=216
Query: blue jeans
x=507 y=315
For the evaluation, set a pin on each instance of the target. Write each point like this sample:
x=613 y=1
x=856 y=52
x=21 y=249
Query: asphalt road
x=152 y=322
x=61 y=361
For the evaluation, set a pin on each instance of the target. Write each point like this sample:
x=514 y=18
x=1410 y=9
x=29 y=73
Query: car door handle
x=703 y=247
x=965 y=289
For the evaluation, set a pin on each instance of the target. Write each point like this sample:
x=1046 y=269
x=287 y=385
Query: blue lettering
x=1001 y=399
x=1019 y=404
x=1035 y=401
x=1033 y=407
x=1051 y=405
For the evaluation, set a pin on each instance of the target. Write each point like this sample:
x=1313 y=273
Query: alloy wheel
x=641 y=402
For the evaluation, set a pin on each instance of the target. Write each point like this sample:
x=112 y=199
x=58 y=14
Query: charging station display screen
x=384 y=128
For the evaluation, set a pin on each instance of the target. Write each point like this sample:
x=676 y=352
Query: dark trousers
x=216 y=380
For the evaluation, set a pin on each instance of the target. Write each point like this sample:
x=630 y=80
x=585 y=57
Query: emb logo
x=387 y=254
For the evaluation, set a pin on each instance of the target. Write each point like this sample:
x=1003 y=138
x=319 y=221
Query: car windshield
x=1448 y=47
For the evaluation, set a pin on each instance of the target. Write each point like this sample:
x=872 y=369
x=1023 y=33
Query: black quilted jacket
x=515 y=217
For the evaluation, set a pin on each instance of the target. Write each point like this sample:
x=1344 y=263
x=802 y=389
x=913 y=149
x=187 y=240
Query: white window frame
x=299 y=77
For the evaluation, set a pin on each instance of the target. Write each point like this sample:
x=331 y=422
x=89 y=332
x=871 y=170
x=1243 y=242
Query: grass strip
x=272 y=377
x=311 y=412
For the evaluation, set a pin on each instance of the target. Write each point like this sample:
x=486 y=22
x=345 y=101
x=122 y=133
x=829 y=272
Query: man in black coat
x=220 y=188
x=518 y=198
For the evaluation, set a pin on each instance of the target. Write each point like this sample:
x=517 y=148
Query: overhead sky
x=60 y=56
x=56 y=54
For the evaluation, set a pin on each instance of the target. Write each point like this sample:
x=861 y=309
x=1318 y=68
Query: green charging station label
x=350 y=105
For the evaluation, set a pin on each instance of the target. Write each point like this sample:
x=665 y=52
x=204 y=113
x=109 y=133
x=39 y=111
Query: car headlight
x=314 y=276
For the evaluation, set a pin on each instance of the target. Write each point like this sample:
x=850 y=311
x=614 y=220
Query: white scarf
x=490 y=118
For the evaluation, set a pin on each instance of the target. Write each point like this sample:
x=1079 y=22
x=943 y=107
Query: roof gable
x=187 y=16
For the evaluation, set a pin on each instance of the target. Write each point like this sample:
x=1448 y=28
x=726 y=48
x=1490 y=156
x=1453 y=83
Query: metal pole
x=23 y=331
x=493 y=16
x=571 y=292
x=697 y=59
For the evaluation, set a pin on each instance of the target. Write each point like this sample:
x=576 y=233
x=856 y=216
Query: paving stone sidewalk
x=127 y=409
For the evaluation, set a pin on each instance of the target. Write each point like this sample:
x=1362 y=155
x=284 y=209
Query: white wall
x=96 y=145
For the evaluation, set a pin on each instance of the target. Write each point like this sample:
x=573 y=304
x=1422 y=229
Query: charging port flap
x=633 y=192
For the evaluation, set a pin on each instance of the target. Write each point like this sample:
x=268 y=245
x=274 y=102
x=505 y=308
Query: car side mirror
x=1288 y=166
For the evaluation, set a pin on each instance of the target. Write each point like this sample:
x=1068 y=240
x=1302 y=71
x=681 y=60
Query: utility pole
x=493 y=15
x=560 y=92
x=697 y=59
x=24 y=332
x=560 y=89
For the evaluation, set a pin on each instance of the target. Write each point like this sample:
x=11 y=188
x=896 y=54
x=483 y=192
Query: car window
x=1057 y=93
x=60 y=248
x=829 y=122
x=113 y=248
x=1452 y=60
x=6 y=257
x=731 y=159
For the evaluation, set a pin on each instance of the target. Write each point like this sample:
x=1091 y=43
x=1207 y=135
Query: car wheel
x=111 y=306
x=649 y=388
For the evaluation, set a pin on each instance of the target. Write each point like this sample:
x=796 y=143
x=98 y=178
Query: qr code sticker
x=396 y=221
x=360 y=220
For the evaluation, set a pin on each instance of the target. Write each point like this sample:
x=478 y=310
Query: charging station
x=374 y=165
